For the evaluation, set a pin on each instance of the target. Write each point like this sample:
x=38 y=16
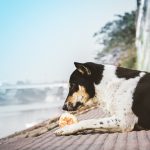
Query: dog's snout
x=68 y=106
x=65 y=107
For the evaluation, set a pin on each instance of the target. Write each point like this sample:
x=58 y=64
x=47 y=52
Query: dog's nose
x=65 y=107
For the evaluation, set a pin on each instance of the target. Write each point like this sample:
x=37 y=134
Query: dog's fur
x=123 y=93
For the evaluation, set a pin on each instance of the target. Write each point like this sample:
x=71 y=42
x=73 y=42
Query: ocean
x=22 y=106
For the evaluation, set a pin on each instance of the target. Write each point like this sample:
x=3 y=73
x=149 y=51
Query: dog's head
x=81 y=85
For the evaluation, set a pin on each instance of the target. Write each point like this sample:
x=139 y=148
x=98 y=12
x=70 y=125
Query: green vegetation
x=120 y=33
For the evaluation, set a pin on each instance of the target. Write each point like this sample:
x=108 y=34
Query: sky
x=41 y=39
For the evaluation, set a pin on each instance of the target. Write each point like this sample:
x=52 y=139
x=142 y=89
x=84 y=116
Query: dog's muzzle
x=69 y=106
x=65 y=107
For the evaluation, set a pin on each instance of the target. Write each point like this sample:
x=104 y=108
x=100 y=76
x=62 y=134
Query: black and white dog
x=124 y=93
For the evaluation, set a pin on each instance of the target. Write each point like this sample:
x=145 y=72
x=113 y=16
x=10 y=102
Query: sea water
x=24 y=106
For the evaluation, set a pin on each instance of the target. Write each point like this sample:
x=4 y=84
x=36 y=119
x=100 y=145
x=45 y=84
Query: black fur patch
x=96 y=72
x=126 y=73
x=141 y=102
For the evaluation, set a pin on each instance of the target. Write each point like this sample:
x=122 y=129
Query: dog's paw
x=58 y=132
x=63 y=131
x=70 y=129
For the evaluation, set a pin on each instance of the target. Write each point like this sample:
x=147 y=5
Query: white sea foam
x=31 y=124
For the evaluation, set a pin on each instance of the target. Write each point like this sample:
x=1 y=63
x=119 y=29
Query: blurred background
x=41 y=39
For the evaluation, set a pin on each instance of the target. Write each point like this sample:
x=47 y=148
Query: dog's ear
x=82 y=68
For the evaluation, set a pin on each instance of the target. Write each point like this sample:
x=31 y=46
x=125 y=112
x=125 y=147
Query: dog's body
x=123 y=93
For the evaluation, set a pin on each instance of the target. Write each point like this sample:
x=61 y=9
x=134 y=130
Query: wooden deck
x=88 y=141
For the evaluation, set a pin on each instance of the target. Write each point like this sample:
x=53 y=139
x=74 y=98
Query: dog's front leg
x=110 y=124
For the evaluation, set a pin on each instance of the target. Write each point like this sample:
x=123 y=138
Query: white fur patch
x=116 y=94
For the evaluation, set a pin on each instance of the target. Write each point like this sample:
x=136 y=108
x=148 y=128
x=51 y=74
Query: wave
x=31 y=124
x=32 y=94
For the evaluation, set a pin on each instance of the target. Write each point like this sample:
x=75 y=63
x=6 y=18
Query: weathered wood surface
x=87 y=141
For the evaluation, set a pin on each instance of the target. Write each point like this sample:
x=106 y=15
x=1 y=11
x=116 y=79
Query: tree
x=119 y=33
